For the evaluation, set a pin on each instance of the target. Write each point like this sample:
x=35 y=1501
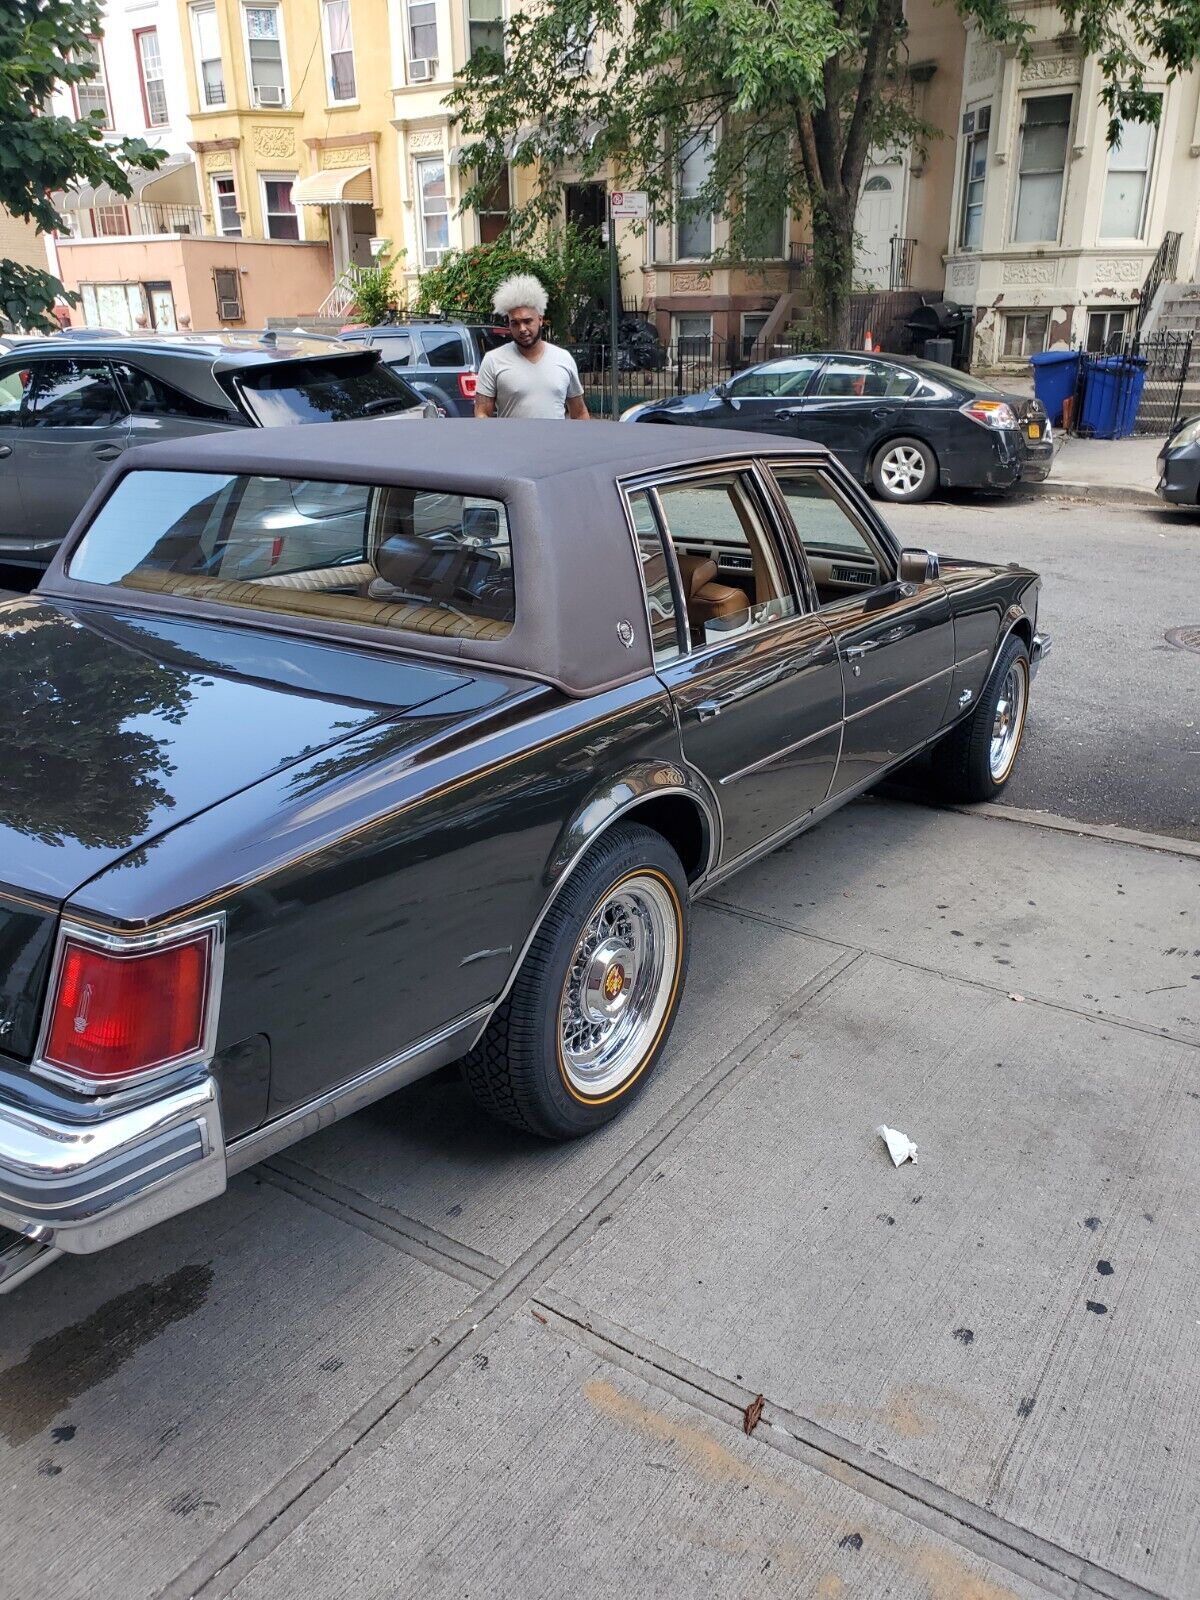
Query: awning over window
x=173 y=184
x=335 y=186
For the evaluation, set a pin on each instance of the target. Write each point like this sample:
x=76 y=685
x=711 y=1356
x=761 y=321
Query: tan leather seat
x=706 y=598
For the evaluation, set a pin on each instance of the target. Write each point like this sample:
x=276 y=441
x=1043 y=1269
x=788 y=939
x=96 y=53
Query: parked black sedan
x=337 y=754
x=903 y=427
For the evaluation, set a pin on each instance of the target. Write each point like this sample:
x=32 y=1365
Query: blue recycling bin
x=1112 y=396
x=1055 y=374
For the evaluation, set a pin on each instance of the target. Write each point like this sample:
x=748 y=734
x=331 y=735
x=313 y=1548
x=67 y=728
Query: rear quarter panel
x=985 y=602
x=376 y=893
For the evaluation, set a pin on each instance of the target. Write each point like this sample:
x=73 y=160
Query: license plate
x=1034 y=430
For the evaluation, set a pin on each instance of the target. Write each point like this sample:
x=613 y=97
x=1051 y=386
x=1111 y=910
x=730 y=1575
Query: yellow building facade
x=290 y=105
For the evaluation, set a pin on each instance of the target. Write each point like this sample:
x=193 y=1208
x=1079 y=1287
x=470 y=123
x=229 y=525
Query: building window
x=150 y=74
x=225 y=207
x=694 y=229
x=494 y=210
x=422 y=39
x=279 y=209
x=692 y=332
x=1127 y=184
x=206 y=42
x=339 y=44
x=485 y=26
x=92 y=94
x=1106 y=329
x=1025 y=333
x=753 y=323
x=228 y=286
x=1045 y=127
x=766 y=210
x=970 y=233
x=435 y=211
x=110 y=222
x=264 y=48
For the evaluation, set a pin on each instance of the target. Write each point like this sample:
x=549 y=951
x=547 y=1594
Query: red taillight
x=468 y=382
x=117 y=1015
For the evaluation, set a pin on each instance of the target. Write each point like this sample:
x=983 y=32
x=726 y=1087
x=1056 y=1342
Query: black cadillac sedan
x=903 y=427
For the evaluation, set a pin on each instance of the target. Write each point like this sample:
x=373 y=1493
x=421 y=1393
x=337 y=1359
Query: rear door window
x=396 y=349
x=74 y=394
x=444 y=348
x=334 y=390
x=14 y=384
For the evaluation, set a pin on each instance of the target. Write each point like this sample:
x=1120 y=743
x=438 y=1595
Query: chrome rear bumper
x=75 y=1186
x=1039 y=651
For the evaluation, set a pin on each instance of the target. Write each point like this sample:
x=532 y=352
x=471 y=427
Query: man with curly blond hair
x=529 y=377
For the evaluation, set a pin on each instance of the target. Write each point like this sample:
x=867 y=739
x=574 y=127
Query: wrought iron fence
x=900 y=276
x=1141 y=383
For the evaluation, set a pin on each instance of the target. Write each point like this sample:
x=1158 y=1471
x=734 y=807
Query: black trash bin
x=940 y=350
x=943 y=320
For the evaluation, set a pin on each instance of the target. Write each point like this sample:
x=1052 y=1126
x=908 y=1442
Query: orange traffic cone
x=867 y=345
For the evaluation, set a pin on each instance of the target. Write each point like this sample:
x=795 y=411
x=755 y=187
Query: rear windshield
x=417 y=559
x=963 y=380
x=492 y=338
x=334 y=389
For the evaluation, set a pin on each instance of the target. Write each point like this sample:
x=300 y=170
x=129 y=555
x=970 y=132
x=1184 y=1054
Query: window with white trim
x=694 y=229
x=753 y=323
x=110 y=222
x=1045 y=129
x=225 y=207
x=692 y=332
x=434 y=209
x=281 y=216
x=153 y=80
x=264 y=52
x=91 y=94
x=970 y=235
x=422 y=35
x=1025 y=333
x=339 y=51
x=485 y=26
x=206 y=44
x=1127 y=182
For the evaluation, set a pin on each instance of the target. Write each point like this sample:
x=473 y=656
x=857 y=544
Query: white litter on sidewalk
x=900 y=1146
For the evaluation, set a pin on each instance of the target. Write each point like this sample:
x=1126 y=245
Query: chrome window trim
x=127 y=945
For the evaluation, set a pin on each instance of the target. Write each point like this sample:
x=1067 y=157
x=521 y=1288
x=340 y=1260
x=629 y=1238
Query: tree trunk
x=833 y=267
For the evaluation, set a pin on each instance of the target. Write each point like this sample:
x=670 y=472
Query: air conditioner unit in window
x=423 y=70
x=269 y=94
x=231 y=310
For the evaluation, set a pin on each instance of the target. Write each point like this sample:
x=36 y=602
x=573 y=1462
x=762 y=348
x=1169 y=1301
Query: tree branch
x=875 y=60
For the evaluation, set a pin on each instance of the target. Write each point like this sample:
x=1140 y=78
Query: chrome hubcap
x=619 y=984
x=903 y=469
x=1008 y=722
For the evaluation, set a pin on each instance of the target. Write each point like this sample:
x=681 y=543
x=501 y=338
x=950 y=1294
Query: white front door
x=880 y=218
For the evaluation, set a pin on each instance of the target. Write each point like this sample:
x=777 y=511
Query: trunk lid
x=117 y=727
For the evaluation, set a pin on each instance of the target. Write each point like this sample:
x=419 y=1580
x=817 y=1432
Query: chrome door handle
x=854 y=651
x=106 y=452
x=5 y=449
x=785 y=413
x=706 y=710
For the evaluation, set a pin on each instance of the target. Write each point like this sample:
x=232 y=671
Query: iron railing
x=1163 y=269
x=131 y=220
x=1158 y=365
x=900 y=273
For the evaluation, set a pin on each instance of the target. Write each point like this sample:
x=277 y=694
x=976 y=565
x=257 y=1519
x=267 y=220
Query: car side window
x=444 y=348
x=396 y=350
x=788 y=379
x=901 y=384
x=849 y=378
x=842 y=560
x=149 y=396
x=74 y=394
x=733 y=576
x=14 y=385
x=656 y=579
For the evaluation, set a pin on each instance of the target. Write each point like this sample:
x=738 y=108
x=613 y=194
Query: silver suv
x=68 y=407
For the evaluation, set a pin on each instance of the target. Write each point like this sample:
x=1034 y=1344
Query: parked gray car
x=70 y=407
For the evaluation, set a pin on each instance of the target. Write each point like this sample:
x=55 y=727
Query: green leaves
x=43 y=44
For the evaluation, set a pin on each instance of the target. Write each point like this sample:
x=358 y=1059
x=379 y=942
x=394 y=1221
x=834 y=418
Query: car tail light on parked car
x=121 y=1010
x=468 y=382
x=990 y=413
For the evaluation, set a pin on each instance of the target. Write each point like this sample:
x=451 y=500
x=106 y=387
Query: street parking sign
x=629 y=203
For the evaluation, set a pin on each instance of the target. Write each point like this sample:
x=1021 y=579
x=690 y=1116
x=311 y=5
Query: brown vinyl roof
x=576 y=571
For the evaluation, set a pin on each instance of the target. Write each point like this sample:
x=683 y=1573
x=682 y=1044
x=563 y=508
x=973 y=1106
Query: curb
x=1113 y=494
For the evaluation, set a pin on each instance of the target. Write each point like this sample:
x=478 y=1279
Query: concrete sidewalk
x=423 y=1356
x=1114 y=470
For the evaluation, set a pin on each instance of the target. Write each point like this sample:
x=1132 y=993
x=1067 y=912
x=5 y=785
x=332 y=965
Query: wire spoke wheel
x=1009 y=720
x=619 y=985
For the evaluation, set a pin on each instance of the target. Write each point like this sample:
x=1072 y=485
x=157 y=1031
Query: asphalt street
x=1114 y=724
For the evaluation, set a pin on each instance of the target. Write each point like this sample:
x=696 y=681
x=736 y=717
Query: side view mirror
x=722 y=392
x=918 y=566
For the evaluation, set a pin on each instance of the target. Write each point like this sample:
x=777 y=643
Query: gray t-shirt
x=525 y=388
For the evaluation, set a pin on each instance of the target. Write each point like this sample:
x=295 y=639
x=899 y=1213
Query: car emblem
x=625 y=633
x=614 y=981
